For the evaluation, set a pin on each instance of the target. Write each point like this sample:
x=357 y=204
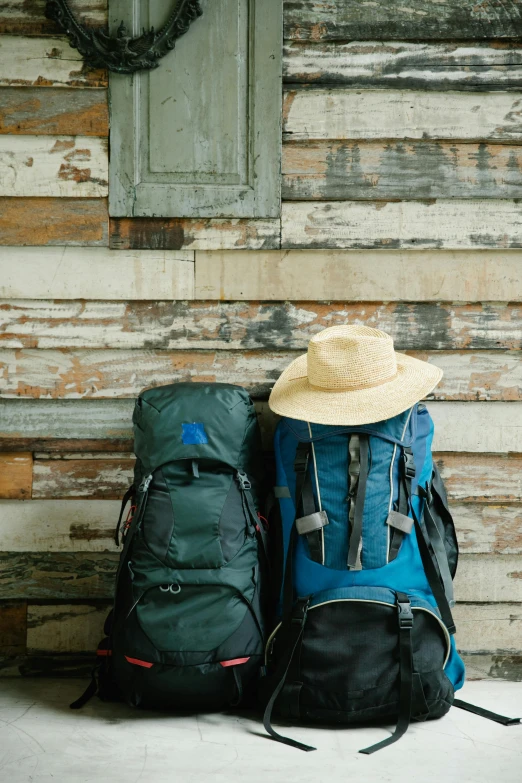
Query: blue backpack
x=365 y=560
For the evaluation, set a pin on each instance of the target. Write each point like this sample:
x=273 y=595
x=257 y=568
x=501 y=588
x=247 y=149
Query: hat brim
x=293 y=396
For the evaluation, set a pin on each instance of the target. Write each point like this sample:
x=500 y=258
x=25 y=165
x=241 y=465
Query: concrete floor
x=42 y=740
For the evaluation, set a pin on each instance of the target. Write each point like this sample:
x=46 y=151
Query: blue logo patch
x=192 y=434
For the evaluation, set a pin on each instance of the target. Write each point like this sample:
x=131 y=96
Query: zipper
x=447 y=637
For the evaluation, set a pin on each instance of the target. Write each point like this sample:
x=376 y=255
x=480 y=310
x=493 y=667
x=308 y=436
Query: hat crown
x=351 y=358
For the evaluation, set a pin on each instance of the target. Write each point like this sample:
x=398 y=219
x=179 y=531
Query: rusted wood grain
x=395 y=114
x=48 y=424
x=354 y=275
x=56 y=166
x=488 y=528
x=13 y=628
x=482 y=477
x=450 y=223
x=73 y=575
x=327 y=170
x=170 y=325
x=65 y=627
x=488 y=628
x=82 y=478
x=405 y=64
x=28 y=17
x=45 y=62
x=16 y=475
x=32 y=111
x=96 y=273
x=108 y=374
x=395 y=20
x=64 y=525
x=58 y=575
x=53 y=221
x=194 y=234
x=88 y=524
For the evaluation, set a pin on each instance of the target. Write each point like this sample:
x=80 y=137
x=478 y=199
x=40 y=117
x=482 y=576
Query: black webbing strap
x=295 y=631
x=405 y=618
x=463 y=705
x=88 y=693
x=433 y=578
x=398 y=535
x=354 y=551
x=439 y=550
x=314 y=537
x=430 y=570
x=304 y=499
x=127 y=496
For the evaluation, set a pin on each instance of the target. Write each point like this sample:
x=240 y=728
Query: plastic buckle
x=405 y=614
x=244 y=481
x=409 y=464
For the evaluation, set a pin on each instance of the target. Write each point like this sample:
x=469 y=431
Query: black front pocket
x=346 y=668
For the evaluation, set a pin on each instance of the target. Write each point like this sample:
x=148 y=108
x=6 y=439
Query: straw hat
x=351 y=375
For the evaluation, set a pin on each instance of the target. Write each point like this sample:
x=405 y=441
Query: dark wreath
x=122 y=53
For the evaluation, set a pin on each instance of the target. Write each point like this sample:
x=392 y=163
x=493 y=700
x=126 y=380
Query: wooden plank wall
x=402 y=180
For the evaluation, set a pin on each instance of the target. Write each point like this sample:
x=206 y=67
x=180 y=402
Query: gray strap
x=354 y=552
x=311 y=523
x=282 y=492
x=400 y=522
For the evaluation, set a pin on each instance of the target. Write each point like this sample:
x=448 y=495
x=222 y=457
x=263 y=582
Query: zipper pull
x=143 y=487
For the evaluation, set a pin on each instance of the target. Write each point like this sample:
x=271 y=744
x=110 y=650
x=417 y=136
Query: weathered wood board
x=60 y=525
x=53 y=221
x=13 y=625
x=404 y=65
x=488 y=528
x=45 y=62
x=194 y=233
x=57 y=575
x=482 y=477
x=95 y=273
x=401 y=114
x=28 y=17
x=82 y=478
x=88 y=525
x=489 y=578
x=16 y=475
x=354 y=275
x=491 y=627
x=54 y=112
x=69 y=628
x=395 y=20
x=79 y=373
x=469 y=478
x=447 y=223
x=171 y=325
x=56 y=166
x=65 y=627
x=327 y=170
x=493 y=666
x=107 y=425
x=88 y=575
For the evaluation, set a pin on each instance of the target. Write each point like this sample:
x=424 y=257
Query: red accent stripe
x=234 y=661
x=137 y=661
x=103 y=652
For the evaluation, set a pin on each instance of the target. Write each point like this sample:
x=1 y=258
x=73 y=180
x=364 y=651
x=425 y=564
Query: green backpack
x=186 y=630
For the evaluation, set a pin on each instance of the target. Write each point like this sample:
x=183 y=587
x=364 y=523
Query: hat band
x=354 y=386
